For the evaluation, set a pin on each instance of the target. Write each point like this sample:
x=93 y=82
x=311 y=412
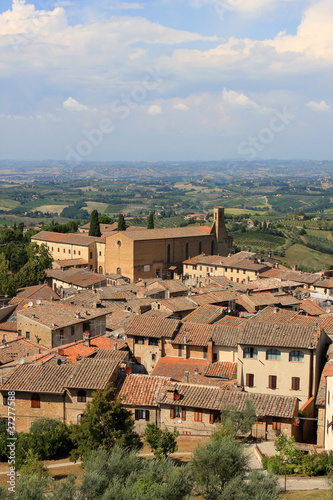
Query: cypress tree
x=94 y=229
x=150 y=222
x=121 y=223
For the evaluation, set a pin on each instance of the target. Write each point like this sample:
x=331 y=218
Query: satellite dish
x=128 y=370
x=4 y=341
x=328 y=310
x=38 y=302
x=59 y=362
x=21 y=361
x=30 y=304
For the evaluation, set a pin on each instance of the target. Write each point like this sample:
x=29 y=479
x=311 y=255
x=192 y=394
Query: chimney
x=170 y=393
x=294 y=268
x=210 y=351
x=187 y=377
x=115 y=347
x=86 y=338
x=185 y=347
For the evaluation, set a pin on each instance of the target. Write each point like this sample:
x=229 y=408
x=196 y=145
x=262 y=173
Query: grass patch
x=94 y=205
x=256 y=239
x=300 y=254
x=51 y=208
x=8 y=204
x=307 y=495
x=320 y=234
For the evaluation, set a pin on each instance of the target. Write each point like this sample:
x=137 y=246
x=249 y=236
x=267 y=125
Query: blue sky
x=166 y=79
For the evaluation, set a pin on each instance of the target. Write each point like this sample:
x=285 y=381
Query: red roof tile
x=141 y=390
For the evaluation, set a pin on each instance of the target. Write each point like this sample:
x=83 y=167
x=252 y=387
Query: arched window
x=81 y=396
x=186 y=251
x=78 y=418
x=168 y=254
x=250 y=352
x=212 y=248
x=100 y=270
x=273 y=354
x=118 y=270
x=35 y=401
x=296 y=356
x=200 y=247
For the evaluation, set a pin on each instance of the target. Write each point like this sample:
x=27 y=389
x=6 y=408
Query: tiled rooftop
x=207 y=313
x=222 y=369
x=141 y=390
x=166 y=233
x=69 y=238
x=311 y=308
x=152 y=327
x=298 y=276
x=92 y=373
x=195 y=333
x=178 y=304
x=284 y=335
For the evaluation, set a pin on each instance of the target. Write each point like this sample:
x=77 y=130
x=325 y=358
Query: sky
x=166 y=80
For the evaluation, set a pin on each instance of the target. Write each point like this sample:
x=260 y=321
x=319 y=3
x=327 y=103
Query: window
x=276 y=424
x=197 y=416
x=272 y=381
x=168 y=254
x=78 y=418
x=139 y=340
x=72 y=330
x=81 y=396
x=142 y=415
x=186 y=251
x=296 y=356
x=100 y=254
x=58 y=249
x=273 y=354
x=69 y=251
x=61 y=334
x=214 y=417
x=200 y=247
x=79 y=252
x=90 y=255
x=295 y=384
x=153 y=341
x=249 y=380
x=5 y=399
x=250 y=352
x=52 y=249
x=74 y=252
x=180 y=351
x=27 y=335
x=214 y=356
x=194 y=268
x=205 y=351
x=153 y=357
x=35 y=401
x=139 y=267
x=200 y=268
x=64 y=250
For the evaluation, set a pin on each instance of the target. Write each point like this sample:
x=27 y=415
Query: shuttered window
x=295 y=383
x=197 y=416
x=276 y=424
x=272 y=381
x=249 y=379
x=172 y=412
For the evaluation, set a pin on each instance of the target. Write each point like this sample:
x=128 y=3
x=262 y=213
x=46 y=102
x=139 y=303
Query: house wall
x=225 y=353
x=146 y=353
x=61 y=251
x=119 y=257
x=188 y=426
x=140 y=425
x=203 y=270
x=283 y=369
x=72 y=407
x=328 y=431
x=321 y=427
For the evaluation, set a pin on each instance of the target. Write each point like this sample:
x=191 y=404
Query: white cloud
x=318 y=106
x=240 y=6
x=181 y=106
x=235 y=99
x=154 y=109
x=73 y=105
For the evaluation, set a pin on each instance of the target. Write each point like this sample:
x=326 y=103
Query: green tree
x=31 y=487
x=286 y=446
x=258 y=487
x=217 y=463
x=239 y=422
x=105 y=219
x=150 y=222
x=105 y=423
x=121 y=223
x=162 y=442
x=32 y=466
x=65 y=489
x=94 y=229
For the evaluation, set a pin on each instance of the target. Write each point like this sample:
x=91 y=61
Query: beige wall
x=147 y=352
x=203 y=270
x=328 y=432
x=225 y=353
x=188 y=426
x=62 y=251
x=283 y=369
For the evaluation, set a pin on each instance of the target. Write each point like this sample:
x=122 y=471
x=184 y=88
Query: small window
x=58 y=249
x=273 y=354
x=72 y=330
x=296 y=356
x=5 y=399
x=139 y=340
x=35 y=401
x=180 y=350
x=27 y=335
x=100 y=254
x=197 y=416
x=153 y=357
x=215 y=356
x=153 y=341
x=79 y=252
x=142 y=415
x=91 y=255
x=205 y=352
x=214 y=417
x=119 y=243
x=79 y=418
x=250 y=380
x=295 y=385
x=52 y=249
x=81 y=396
x=61 y=334
x=272 y=381
x=250 y=352
x=64 y=250
x=69 y=251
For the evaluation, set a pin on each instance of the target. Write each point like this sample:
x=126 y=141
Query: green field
x=300 y=254
x=8 y=204
x=258 y=240
x=320 y=234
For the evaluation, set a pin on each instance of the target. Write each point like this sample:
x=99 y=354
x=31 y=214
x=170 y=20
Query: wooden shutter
x=211 y=417
x=272 y=381
x=249 y=379
x=198 y=416
x=172 y=412
x=295 y=383
x=183 y=414
x=147 y=416
x=137 y=415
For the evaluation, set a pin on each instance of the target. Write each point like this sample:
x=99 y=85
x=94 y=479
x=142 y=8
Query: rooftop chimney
x=115 y=347
x=86 y=338
x=187 y=377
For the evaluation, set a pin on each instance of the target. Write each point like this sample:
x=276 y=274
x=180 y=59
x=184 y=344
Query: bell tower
x=223 y=240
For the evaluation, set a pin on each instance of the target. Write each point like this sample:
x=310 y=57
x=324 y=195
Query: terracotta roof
x=288 y=300
x=213 y=297
x=271 y=284
x=40 y=378
x=175 y=369
x=175 y=286
x=141 y=390
x=232 y=321
x=166 y=233
x=152 y=327
x=8 y=326
x=79 y=239
x=311 y=308
x=93 y=374
x=321 y=394
x=274 y=315
x=119 y=319
x=43 y=292
x=56 y=315
x=177 y=304
x=214 y=398
x=78 y=277
x=112 y=293
x=227 y=335
x=222 y=369
x=249 y=308
x=298 y=276
x=234 y=261
x=207 y=313
x=196 y=334
x=157 y=313
x=326 y=283
x=260 y=299
x=286 y=335
x=71 y=262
